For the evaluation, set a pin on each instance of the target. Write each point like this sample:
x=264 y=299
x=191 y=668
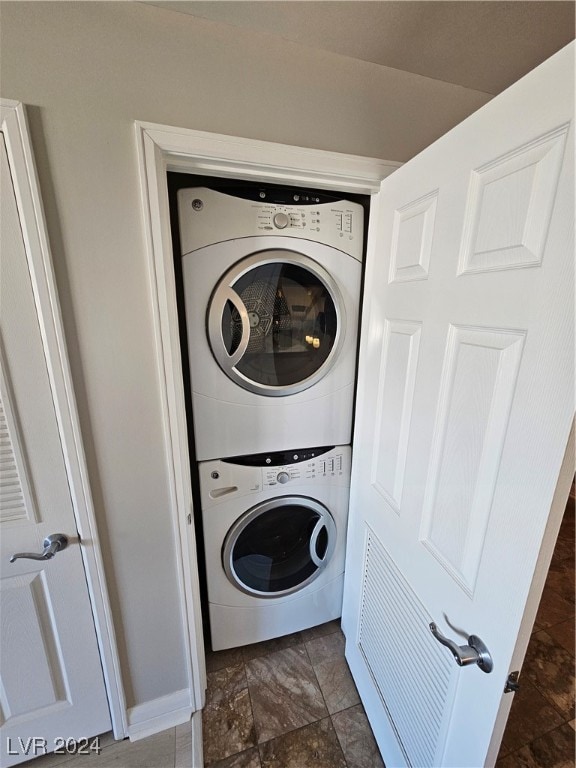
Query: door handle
x=473 y=653
x=52 y=544
x=318 y=562
x=224 y=294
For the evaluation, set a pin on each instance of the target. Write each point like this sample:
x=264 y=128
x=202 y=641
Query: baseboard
x=159 y=714
x=197 y=747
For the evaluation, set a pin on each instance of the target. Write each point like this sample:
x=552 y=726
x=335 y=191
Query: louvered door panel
x=402 y=655
x=15 y=494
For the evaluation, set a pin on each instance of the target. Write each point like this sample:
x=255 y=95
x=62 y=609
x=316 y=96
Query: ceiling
x=481 y=45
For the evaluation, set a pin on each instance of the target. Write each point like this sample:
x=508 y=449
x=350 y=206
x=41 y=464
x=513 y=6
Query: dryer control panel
x=207 y=216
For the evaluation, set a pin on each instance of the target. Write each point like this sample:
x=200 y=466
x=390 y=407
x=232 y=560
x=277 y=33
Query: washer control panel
x=274 y=473
x=204 y=212
x=331 y=465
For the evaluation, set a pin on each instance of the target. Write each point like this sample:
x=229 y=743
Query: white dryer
x=271 y=294
x=274 y=535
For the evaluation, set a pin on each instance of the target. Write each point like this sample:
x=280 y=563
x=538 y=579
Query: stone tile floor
x=286 y=703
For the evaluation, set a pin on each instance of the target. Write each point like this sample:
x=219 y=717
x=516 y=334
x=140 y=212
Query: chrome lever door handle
x=473 y=653
x=52 y=544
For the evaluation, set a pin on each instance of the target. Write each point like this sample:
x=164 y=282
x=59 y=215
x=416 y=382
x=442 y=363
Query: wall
x=87 y=71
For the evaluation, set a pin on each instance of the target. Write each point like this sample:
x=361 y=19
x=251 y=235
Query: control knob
x=281 y=221
x=282 y=477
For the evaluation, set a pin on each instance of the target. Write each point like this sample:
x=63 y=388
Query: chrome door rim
x=260 y=509
x=222 y=294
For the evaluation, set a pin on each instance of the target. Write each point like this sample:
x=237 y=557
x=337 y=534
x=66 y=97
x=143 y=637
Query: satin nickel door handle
x=52 y=544
x=473 y=653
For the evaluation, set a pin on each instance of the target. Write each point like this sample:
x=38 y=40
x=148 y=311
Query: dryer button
x=283 y=477
x=281 y=221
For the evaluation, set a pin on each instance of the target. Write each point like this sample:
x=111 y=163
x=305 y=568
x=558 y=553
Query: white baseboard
x=197 y=748
x=159 y=714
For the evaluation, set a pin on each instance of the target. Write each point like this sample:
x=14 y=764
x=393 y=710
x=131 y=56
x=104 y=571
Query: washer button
x=281 y=221
x=282 y=477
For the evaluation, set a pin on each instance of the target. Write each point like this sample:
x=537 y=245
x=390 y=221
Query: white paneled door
x=464 y=409
x=52 y=690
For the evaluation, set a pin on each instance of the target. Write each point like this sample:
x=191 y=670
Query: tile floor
x=291 y=702
x=170 y=749
x=286 y=703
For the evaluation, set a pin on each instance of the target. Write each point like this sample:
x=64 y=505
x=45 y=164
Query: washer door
x=275 y=323
x=279 y=546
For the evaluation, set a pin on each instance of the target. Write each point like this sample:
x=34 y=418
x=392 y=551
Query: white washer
x=272 y=296
x=274 y=536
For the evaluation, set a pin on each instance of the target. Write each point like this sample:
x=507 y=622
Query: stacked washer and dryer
x=271 y=284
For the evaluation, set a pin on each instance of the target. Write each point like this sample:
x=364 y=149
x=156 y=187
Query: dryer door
x=276 y=322
x=279 y=546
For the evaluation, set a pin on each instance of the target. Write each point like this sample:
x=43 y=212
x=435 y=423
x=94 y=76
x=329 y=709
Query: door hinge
x=189 y=518
x=512 y=684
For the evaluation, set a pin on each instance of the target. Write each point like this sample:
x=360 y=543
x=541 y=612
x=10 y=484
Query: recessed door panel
x=28 y=631
x=397 y=374
x=477 y=391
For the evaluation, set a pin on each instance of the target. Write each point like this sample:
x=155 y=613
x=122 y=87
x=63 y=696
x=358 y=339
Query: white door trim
x=25 y=180
x=161 y=149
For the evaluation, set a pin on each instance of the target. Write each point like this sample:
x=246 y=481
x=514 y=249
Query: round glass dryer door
x=275 y=323
x=279 y=546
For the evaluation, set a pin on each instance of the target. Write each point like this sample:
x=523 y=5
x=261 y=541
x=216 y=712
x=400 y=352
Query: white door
x=52 y=688
x=464 y=409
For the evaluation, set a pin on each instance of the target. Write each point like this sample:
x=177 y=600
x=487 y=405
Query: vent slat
x=12 y=496
x=403 y=657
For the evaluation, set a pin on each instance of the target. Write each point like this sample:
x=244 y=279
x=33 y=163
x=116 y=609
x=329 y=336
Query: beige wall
x=87 y=71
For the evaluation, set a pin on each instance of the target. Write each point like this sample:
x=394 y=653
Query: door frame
x=160 y=149
x=14 y=126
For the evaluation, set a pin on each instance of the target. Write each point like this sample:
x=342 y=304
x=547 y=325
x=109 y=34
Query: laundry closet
x=269 y=283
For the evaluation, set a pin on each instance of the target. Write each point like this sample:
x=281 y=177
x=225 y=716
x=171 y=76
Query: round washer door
x=276 y=322
x=279 y=546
